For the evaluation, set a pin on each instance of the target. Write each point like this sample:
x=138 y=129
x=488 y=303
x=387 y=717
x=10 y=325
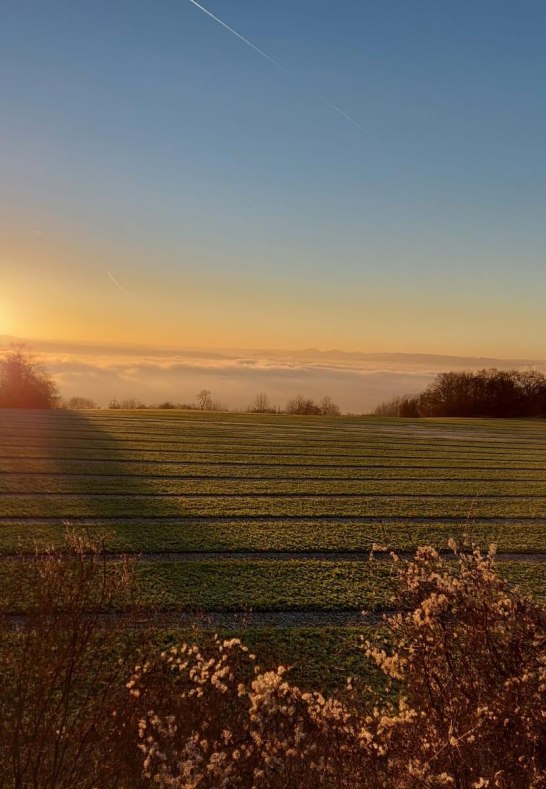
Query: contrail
x=242 y=38
x=340 y=112
x=116 y=283
x=272 y=60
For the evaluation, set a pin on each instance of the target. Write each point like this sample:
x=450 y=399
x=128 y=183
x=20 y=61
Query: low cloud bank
x=357 y=382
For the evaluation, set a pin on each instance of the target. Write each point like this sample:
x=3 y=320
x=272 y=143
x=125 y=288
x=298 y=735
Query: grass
x=78 y=505
x=238 y=585
x=212 y=486
x=153 y=482
x=143 y=536
x=317 y=657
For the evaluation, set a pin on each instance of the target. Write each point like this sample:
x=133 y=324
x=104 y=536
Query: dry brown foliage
x=63 y=666
x=466 y=662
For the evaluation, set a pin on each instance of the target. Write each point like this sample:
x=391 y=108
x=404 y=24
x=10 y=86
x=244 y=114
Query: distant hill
x=395 y=359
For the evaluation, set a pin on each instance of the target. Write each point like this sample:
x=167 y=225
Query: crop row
x=355 y=449
x=265 y=586
x=434 y=434
x=141 y=535
x=253 y=438
x=121 y=469
x=325 y=459
x=67 y=506
x=236 y=486
x=439 y=436
x=231 y=420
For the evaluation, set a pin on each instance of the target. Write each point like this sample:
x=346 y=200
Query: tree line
x=262 y=404
x=483 y=393
x=24 y=383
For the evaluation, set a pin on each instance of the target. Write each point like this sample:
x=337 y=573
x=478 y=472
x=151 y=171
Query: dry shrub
x=63 y=667
x=226 y=723
x=468 y=659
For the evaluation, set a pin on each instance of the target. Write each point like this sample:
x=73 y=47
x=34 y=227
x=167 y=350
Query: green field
x=235 y=513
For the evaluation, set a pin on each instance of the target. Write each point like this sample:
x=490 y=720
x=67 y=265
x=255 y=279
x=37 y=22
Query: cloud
x=235 y=381
x=356 y=381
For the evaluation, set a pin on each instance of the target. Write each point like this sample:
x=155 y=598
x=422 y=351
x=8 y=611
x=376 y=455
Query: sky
x=380 y=187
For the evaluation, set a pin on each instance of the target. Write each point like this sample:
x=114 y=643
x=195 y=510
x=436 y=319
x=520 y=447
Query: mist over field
x=356 y=381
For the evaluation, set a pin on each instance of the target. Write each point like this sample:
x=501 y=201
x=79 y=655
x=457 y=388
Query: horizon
x=357 y=382
x=36 y=344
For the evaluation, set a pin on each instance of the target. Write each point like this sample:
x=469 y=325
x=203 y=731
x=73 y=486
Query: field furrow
x=266 y=521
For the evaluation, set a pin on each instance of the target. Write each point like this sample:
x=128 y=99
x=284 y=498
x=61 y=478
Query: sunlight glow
x=5 y=318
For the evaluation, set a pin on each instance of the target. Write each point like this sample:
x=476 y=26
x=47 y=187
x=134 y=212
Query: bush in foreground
x=467 y=659
x=63 y=667
x=464 y=668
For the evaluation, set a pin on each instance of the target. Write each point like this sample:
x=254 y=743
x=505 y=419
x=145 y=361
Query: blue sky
x=145 y=139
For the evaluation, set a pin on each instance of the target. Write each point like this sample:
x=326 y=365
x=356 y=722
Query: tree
x=24 y=383
x=261 y=404
x=496 y=393
x=131 y=403
x=405 y=406
x=328 y=407
x=409 y=407
x=484 y=393
x=533 y=385
x=204 y=399
x=303 y=406
x=81 y=403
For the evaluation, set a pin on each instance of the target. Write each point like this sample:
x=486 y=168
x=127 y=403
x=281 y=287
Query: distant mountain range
x=418 y=359
x=398 y=360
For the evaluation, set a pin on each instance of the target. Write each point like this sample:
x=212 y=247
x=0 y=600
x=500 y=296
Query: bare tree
x=489 y=392
x=328 y=407
x=204 y=399
x=81 y=403
x=303 y=406
x=261 y=404
x=131 y=403
x=24 y=383
x=405 y=406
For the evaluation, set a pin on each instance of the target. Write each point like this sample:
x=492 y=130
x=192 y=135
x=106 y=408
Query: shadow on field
x=82 y=476
x=60 y=465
